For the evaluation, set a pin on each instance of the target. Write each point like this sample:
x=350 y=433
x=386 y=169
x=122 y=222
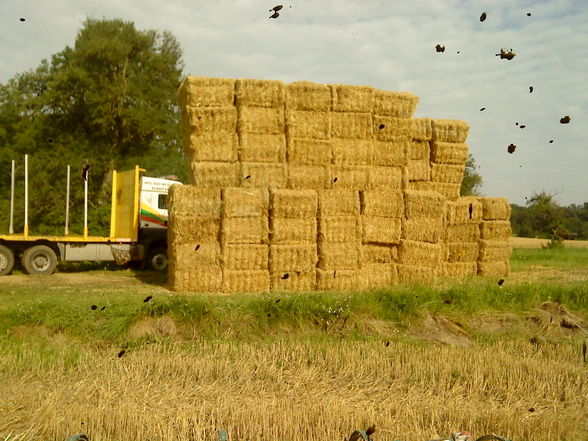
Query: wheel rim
x=3 y=262
x=159 y=262
x=40 y=262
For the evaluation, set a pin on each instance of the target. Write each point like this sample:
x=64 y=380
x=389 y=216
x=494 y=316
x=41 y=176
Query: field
x=418 y=362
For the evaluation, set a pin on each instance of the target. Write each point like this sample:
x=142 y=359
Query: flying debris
x=565 y=120
x=522 y=126
x=248 y=177
x=93 y=307
x=147 y=299
x=22 y=19
x=275 y=15
x=483 y=16
x=387 y=344
x=516 y=124
x=121 y=353
x=440 y=48
x=285 y=276
x=551 y=141
x=197 y=247
x=277 y=301
x=103 y=308
x=531 y=409
x=458 y=52
x=530 y=89
x=381 y=126
x=85 y=170
x=528 y=14
x=500 y=282
x=482 y=109
x=277 y=8
x=335 y=180
x=506 y=55
x=50 y=140
x=511 y=148
x=448 y=301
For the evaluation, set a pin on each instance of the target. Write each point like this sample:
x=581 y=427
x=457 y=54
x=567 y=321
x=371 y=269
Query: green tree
x=472 y=180
x=545 y=215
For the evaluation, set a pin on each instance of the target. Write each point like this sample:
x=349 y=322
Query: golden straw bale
x=495 y=208
x=246 y=281
x=391 y=153
x=497 y=268
x=449 y=153
x=419 y=253
x=449 y=191
x=194 y=253
x=293 y=203
x=463 y=233
x=352 y=151
x=494 y=250
x=338 y=203
x=294 y=257
x=382 y=230
x=449 y=130
x=500 y=230
x=416 y=274
x=215 y=174
x=463 y=211
x=346 y=98
x=374 y=253
x=418 y=149
x=304 y=95
x=461 y=269
x=339 y=229
x=389 y=178
x=187 y=200
x=382 y=203
x=205 y=120
x=262 y=148
x=339 y=255
x=194 y=229
x=450 y=174
x=351 y=125
x=307 y=151
x=421 y=129
x=264 y=174
x=245 y=202
x=420 y=204
x=308 y=124
x=245 y=230
x=259 y=93
x=220 y=146
x=397 y=104
x=340 y=280
x=393 y=127
x=206 y=92
x=261 y=120
x=419 y=170
x=423 y=229
x=290 y=231
x=462 y=252
x=293 y=281
x=379 y=275
x=246 y=257
x=308 y=177
x=195 y=278
x=350 y=177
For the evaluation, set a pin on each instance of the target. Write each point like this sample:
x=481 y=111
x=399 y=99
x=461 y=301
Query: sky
x=387 y=44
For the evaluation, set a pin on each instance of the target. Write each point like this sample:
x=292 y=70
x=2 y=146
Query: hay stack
x=463 y=217
x=495 y=233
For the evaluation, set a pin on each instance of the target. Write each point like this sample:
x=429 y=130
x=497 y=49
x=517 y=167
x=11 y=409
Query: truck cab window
x=161 y=201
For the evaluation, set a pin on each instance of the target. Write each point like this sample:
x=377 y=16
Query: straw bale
x=353 y=151
x=333 y=256
x=389 y=178
x=449 y=153
x=339 y=229
x=423 y=229
x=261 y=120
x=295 y=281
x=215 y=174
x=450 y=174
x=259 y=93
x=462 y=251
x=494 y=250
x=463 y=233
x=382 y=203
x=293 y=203
x=246 y=281
x=373 y=253
x=415 y=274
x=421 y=204
x=497 y=268
x=246 y=257
x=351 y=125
x=189 y=253
x=340 y=280
x=421 y=129
x=393 y=127
x=350 y=177
x=463 y=211
x=500 y=230
x=187 y=200
x=206 y=92
x=294 y=257
x=449 y=130
x=307 y=151
x=461 y=269
x=346 y=98
x=495 y=208
x=290 y=231
x=212 y=147
x=245 y=230
x=379 y=275
x=338 y=203
x=391 y=153
x=194 y=229
x=196 y=278
x=304 y=95
x=263 y=174
x=308 y=177
x=419 y=253
x=449 y=191
x=419 y=170
x=418 y=149
x=245 y=202
x=308 y=124
x=382 y=230
x=262 y=148
x=203 y=120
x=397 y=104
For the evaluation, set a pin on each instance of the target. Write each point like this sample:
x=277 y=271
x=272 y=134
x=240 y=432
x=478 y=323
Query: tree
x=545 y=215
x=472 y=180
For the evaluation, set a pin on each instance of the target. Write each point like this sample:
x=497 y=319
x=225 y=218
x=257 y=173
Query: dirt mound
x=153 y=327
x=442 y=330
x=554 y=318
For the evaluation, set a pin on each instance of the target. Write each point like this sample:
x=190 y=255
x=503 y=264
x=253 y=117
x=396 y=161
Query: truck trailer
x=138 y=228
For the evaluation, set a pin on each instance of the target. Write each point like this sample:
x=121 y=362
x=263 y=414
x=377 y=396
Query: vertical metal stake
x=11 y=226
x=86 y=204
x=67 y=204
x=26 y=215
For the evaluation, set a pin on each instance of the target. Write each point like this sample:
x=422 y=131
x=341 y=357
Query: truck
x=138 y=228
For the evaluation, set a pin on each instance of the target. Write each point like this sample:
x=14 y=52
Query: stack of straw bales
x=309 y=186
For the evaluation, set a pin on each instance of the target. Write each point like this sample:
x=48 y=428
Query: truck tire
x=157 y=259
x=6 y=260
x=39 y=259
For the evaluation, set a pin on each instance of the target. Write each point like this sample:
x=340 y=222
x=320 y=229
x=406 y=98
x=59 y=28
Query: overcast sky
x=386 y=44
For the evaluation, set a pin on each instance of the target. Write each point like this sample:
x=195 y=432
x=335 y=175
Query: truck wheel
x=157 y=259
x=39 y=259
x=6 y=260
